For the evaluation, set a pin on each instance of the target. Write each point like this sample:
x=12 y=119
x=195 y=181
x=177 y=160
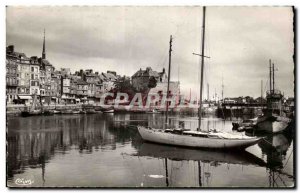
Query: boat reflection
x=203 y=155
x=276 y=149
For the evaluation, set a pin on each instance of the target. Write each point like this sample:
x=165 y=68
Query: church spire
x=44 y=48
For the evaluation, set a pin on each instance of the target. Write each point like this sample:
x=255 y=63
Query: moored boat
x=197 y=139
x=108 y=111
x=274 y=119
x=28 y=113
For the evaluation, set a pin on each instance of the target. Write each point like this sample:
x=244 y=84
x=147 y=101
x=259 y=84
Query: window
x=32 y=69
x=32 y=76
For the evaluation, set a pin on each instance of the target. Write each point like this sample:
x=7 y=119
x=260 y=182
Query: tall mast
x=273 y=78
x=222 y=90
x=202 y=66
x=270 y=75
x=207 y=92
x=44 y=48
x=261 y=92
x=169 y=74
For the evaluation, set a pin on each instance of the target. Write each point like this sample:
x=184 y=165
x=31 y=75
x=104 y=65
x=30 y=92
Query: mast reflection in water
x=105 y=150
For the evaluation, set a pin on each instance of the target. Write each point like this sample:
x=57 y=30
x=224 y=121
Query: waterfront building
x=73 y=87
x=108 y=80
x=55 y=86
x=91 y=79
x=34 y=76
x=141 y=79
x=46 y=69
x=66 y=96
x=82 y=90
x=11 y=75
x=23 y=77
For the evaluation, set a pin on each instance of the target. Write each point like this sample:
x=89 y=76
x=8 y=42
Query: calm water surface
x=105 y=150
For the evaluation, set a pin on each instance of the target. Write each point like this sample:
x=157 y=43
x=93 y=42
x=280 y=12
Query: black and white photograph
x=193 y=96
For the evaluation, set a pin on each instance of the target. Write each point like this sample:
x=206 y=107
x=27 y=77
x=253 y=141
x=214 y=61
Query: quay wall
x=17 y=109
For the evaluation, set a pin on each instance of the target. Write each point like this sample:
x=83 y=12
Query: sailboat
x=273 y=120
x=195 y=139
x=32 y=110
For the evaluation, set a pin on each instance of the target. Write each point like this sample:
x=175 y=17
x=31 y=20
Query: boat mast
x=261 y=92
x=169 y=74
x=202 y=66
x=270 y=76
x=273 y=79
x=207 y=92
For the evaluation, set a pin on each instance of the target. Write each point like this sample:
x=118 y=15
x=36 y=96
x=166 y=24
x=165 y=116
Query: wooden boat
x=70 y=111
x=246 y=124
x=90 y=111
x=48 y=112
x=56 y=111
x=32 y=111
x=195 y=139
x=28 y=113
x=108 y=111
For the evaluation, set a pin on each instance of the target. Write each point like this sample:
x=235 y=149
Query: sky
x=239 y=41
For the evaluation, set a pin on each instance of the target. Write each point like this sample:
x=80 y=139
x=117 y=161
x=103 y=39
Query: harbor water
x=106 y=150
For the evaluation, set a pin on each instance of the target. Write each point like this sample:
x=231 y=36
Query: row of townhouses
x=28 y=77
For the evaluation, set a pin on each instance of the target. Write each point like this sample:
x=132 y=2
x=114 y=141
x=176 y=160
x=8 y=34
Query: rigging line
x=286 y=162
x=281 y=180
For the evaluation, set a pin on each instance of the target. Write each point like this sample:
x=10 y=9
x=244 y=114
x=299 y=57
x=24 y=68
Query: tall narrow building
x=44 y=48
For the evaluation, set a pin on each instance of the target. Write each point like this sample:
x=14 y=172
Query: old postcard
x=150 y=96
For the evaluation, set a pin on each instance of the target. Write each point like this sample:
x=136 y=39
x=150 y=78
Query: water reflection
x=113 y=154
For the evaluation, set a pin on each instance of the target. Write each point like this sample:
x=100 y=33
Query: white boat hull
x=109 y=111
x=194 y=141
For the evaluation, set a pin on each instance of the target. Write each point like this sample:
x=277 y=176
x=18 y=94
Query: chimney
x=10 y=49
x=163 y=70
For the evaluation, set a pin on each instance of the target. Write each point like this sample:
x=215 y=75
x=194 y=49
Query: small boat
x=246 y=124
x=274 y=119
x=56 y=111
x=197 y=139
x=82 y=112
x=48 y=112
x=108 y=111
x=32 y=111
x=90 y=111
x=29 y=113
x=75 y=112
x=70 y=111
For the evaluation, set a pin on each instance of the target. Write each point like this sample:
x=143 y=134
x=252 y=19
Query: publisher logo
x=23 y=182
